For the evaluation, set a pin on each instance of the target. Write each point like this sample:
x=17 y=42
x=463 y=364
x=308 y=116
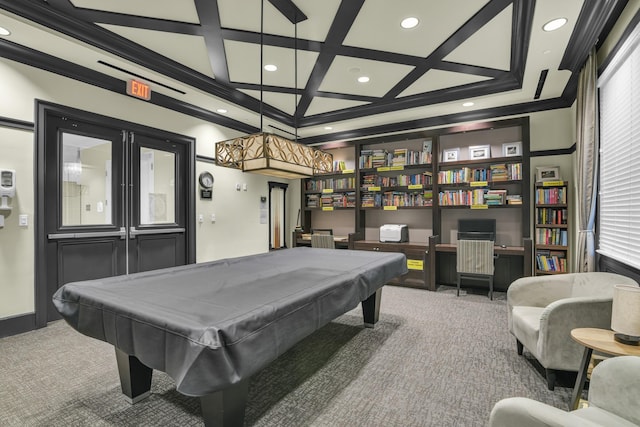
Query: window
x=619 y=207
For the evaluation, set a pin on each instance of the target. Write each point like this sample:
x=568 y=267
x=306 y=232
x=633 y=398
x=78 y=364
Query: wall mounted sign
x=138 y=89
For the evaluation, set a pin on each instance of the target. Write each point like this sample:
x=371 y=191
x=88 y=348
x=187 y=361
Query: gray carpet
x=433 y=359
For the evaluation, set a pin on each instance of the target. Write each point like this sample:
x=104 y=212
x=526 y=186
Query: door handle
x=89 y=234
x=133 y=232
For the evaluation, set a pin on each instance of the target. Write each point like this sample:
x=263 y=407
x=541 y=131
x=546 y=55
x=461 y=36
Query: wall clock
x=206 y=180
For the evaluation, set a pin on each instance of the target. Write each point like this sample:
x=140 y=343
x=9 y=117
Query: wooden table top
x=602 y=340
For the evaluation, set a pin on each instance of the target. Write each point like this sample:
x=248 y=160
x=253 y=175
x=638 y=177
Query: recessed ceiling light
x=221 y=110
x=547 y=52
x=554 y=24
x=468 y=104
x=410 y=22
x=4 y=31
x=363 y=79
x=270 y=67
x=328 y=128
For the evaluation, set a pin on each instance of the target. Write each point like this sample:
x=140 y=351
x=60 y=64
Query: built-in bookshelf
x=551 y=236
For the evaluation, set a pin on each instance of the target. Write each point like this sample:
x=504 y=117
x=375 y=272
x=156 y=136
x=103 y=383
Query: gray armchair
x=543 y=310
x=614 y=392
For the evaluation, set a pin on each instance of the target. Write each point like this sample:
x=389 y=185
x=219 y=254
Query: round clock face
x=206 y=179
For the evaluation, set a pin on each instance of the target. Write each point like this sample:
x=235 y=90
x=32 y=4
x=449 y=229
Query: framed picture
x=477 y=152
x=548 y=173
x=450 y=155
x=512 y=149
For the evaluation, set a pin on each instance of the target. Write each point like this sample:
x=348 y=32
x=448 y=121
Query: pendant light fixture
x=269 y=154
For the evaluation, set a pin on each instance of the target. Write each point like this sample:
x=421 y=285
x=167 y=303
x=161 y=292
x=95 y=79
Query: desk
x=211 y=326
x=600 y=340
x=513 y=262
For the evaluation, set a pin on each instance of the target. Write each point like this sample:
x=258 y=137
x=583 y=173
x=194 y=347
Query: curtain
x=586 y=170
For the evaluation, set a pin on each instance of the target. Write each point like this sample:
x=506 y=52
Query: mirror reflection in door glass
x=86 y=180
x=157 y=189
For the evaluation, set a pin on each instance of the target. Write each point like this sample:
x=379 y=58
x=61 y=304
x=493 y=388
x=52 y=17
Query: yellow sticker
x=415 y=264
x=552 y=183
x=415 y=187
x=346 y=171
x=390 y=208
x=327 y=208
x=328 y=190
x=396 y=168
x=373 y=189
x=383 y=169
x=479 y=206
x=479 y=184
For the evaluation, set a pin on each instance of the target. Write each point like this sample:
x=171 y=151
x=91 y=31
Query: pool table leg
x=371 y=309
x=135 y=378
x=225 y=407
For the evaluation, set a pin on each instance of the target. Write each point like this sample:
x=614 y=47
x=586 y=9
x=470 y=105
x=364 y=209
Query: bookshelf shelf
x=551 y=230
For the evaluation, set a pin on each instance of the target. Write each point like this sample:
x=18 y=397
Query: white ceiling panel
x=282 y=101
x=342 y=76
x=490 y=46
x=321 y=105
x=174 y=10
x=245 y=15
x=182 y=48
x=243 y=62
x=439 y=79
x=378 y=24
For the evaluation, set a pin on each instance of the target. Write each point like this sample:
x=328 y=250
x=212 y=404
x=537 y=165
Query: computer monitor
x=477 y=229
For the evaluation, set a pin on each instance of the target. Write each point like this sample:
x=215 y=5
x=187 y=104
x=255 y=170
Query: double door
x=116 y=201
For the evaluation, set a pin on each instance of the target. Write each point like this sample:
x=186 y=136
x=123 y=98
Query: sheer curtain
x=586 y=170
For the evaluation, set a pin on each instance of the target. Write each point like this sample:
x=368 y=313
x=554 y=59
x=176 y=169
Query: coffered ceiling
x=206 y=57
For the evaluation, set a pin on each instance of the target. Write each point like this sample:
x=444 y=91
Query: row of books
x=397 y=198
x=373 y=180
x=551 y=236
x=495 y=173
x=331 y=183
x=478 y=196
x=551 y=261
x=551 y=196
x=342 y=200
x=399 y=157
x=551 y=216
x=339 y=165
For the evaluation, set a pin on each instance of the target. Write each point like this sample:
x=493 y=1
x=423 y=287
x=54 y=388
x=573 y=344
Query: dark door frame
x=43 y=110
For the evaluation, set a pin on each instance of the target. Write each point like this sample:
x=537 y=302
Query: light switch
x=244 y=187
x=237 y=186
x=200 y=218
x=213 y=217
x=23 y=220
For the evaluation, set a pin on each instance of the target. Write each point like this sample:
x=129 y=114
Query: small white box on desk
x=395 y=233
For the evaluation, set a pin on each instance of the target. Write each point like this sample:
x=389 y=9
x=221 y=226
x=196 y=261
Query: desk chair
x=475 y=259
x=323 y=241
x=322 y=231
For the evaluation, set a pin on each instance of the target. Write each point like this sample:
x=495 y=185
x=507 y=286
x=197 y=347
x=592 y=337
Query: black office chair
x=323 y=241
x=475 y=259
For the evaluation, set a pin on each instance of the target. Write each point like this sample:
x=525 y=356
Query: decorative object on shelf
x=477 y=152
x=450 y=155
x=512 y=149
x=625 y=314
x=269 y=154
x=548 y=173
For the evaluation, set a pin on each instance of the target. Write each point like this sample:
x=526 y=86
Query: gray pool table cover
x=214 y=324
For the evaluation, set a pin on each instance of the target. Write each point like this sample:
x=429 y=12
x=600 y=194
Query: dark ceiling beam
x=480 y=19
x=471 y=69
x=521 y=27
x=593 y=17
x=132 y=21
x=344 y=18
x=209 y=16
x=289 y=10
x=471 y=90
x=271 y=40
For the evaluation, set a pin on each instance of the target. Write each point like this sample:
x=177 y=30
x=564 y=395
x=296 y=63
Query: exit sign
x=139 y=89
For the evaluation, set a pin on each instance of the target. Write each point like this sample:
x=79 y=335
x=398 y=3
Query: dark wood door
x=115 y=202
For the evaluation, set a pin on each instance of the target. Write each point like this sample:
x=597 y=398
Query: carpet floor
x=433 y=359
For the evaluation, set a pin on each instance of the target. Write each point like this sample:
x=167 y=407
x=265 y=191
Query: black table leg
x=135 y=378
x=371 y=309
x=580 y=379
x=226 y=407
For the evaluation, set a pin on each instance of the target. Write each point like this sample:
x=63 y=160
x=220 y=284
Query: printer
x=395 y=233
